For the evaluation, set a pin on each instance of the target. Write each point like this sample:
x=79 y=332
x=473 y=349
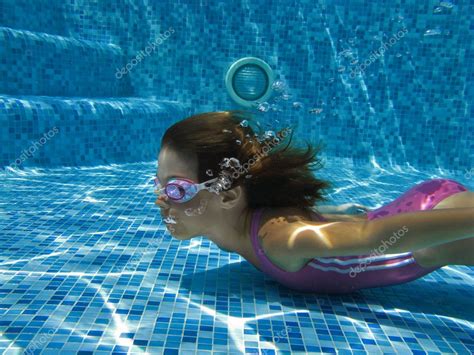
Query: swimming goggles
x=181 y=189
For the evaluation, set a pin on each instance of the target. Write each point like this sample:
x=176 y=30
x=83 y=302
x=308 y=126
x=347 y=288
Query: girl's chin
x=178 y=235
x=173 y=231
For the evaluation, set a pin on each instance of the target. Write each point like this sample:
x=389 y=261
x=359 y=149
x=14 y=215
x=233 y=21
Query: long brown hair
x=283 y=177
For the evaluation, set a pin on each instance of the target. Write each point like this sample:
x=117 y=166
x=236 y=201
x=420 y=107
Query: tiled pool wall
x=413 y=104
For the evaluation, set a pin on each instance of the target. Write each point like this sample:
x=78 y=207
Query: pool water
x=89 y=267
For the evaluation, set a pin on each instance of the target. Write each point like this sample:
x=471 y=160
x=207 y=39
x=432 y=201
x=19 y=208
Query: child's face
x=192 y=217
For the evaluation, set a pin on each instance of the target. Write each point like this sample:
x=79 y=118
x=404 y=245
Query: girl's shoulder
x=271 y=215
x=307 y=215
x=288 y=213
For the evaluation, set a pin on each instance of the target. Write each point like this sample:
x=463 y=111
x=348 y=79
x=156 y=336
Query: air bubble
x=269 y=134
x=198 y=211
x=263 y=107
x=244 y=123
x=446 y=4
x=346 y=53
x=224 y=163
x=238 y=142
x=226 y=131
x=169 y=220
x=215 y=188
x=275 y=108
x=315 y=111
x=297 y=105
x=209 y=172
x=230 y=163
x=278 y=86
x=234 y=163
x=433 y=32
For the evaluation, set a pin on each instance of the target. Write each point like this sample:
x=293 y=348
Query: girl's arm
x=404 y=232
x=422 y=228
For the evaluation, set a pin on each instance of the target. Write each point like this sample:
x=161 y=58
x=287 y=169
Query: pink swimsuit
x=345 y=274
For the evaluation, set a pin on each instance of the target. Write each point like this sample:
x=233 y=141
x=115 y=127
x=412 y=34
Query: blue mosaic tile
x=36 y=63
x=413 y=104
x=52 y=131
x=87 y=265
x=410 y=104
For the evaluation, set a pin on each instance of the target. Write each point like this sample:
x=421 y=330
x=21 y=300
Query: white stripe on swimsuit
x=316 y=263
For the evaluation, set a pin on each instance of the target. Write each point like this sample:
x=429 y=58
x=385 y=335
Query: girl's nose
x=162 y=201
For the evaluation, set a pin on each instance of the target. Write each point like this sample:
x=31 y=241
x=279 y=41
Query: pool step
x=57 y=131
x=36 y=63
x=39 y=15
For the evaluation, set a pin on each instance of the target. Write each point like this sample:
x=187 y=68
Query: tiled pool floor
x=86 y=265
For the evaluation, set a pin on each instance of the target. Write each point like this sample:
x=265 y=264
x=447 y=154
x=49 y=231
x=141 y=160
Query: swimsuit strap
x=256 y=216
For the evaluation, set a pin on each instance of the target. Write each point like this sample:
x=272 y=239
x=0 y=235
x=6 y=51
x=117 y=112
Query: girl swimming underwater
x=258 y=196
